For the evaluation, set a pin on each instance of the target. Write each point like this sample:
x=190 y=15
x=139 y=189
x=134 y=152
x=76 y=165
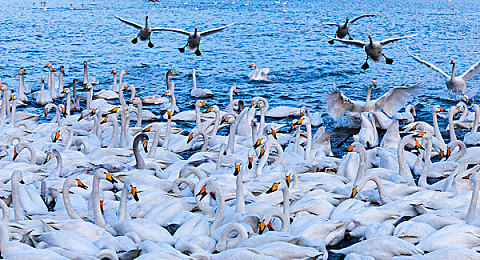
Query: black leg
x=197 y=52
x=331 y=41
x=365 y=65
x=349 y=37
x=387 y=60
x=181 y=50
x=135 y=40
x=150 y=44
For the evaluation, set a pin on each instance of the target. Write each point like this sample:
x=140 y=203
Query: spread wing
x=136 y=25
x=387 y=41
x=351 y=42
x=322 y=24
x=361 y=16
x=337 y=104
x=396 y=98
x=428 y=64
x=171 y=30
x=471 y=71
x=207 y=32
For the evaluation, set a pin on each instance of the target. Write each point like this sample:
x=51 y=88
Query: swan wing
x=337 y=104
x=322 y=24
x=351 y=42
x=396 y=98
x=136 y=25
x=361 y=16
x=471 y=71
x=389 y=40
x=171 y=30
x=428 y=64
x=207 y=32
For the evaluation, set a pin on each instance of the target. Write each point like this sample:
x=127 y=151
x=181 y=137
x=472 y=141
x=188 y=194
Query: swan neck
x=122 y=208
x=17 y=208
x=140 y=163
x=473 y=202
x=240 y=206
x=66 y=199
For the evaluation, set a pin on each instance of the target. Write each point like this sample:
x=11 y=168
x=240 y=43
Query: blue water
x=304 y=66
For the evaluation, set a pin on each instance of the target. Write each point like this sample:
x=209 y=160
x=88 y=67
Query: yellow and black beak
x=180 y=175
x=190 y=137
x=212 y=193
x=261 y=227
x=165 y=94
x=15 y=154
x=270 y=226
x=442 y=153
x=237 y=169
x=80 y=118
x=57 y=136
x=467 y=100
x=273 y=188
x=354 y=192
x=250 y=162
x=274 y=134
x=145 y=145
x=350 y=148
x=133 y=190
x=109 y=178
x=203 y=192
x=113 y=110
x=441 y=109
x=81 y=185
x=225 y=119
x=101 y=207
x=466 y=177
x=93 y=112
x=258 y=105
x=169 y=114
x=288 y=178
x=449 y=152
x=292 y=126
x=46 y=112
x=459 y=110
x=131 y=101
x=104 y=120
x=49 y=156
x=64 y=111
x=203 y=103
x=209 y=110
x=147 y=129
x=262 y=152
x=257 y=143
x=417 y=145
x=21 y=181
x=421 y=134
x=12 y=97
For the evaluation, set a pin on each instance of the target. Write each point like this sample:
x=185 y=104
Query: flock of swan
x=98 y=175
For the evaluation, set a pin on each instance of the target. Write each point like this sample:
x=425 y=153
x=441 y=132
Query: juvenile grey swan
x=457 y=84
x=373 y=49
x=342 y=28
x=144 y=33
x=194 y=38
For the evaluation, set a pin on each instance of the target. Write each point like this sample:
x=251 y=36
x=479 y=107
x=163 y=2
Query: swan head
x=170 y=73
x=144 y=139
x=55 y=139
x=81 y=185
x=109 y=178
x=227 y=119
x=12 y=97
x=62 y=70
x=250 y=159
x=190 y=137
x=273 y=188
x=238 y=165
x=438 y=108
x=350 y=148
x=252 y=65
x=346 y=20
x=262 y=152
x=134 y=192
x=370 y=38
x=66 y=91
x=167 y=93
x=48 y=65
x=88 y=86
x=84 y=63
x=22 y=71
x=200 y=103
x=258 y=143
x=452 y=61
x=254 y=123
x=202 y=192
x=195 y=33
x=114 y=71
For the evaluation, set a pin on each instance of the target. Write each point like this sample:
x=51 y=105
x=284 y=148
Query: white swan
x=86 y=81
x=373 y=49
x=258 y=74
x=473 y=137
x=199 y=92
x=454 y=84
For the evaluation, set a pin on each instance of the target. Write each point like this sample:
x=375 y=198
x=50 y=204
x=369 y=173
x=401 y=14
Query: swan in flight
x=390 y=102
x=457 y=84
x=144 y=33
x=342 y=28
x=373 y=49
x=194 y=39
x=258 y=74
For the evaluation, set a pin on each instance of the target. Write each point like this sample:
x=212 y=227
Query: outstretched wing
x=351 y=42
x=427 y=63
x=396 y=98
x=171 y=30
x=337 y=104
x=136 y=25
x=207 y=32
x=387 y=41
x=361 y=16
x=322 y=24
x=471 y=71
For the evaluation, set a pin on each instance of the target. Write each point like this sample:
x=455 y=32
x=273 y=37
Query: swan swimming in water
x=258 y=74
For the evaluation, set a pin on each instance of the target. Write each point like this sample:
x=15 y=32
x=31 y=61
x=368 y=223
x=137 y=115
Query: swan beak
x=235 y=92
x=80 y=118
x=113 y=110
x=93 y=112
x=12 y=97
x=466 y=177
x=421 y=134
x=104 y=120
x=288 y=179
x=225 y=119
x=203 y=192
x=448 y=153
x=350 y=148
x=452 y=62
x=292 y=127
x=442 y=153
x=21 y=181
x=47 y=65
x=101 y=207
x=147 y=129
x=374 y=83
x=64 y=91
x=130 y=102
x=212 y=193
x=415 y=126
x=258 y=105
x=467 y=100
x=262 y=227
x=133 y=190
x=180 y=175
x=145 y=145
x=169 y=114
x=270 y=226
x=64 y=111
x=49 y=156
x=254 y=122
x=441 y=109
x=46 y=112
x=237 y=169
x=252 y=65
x=165 y=94
x=302 y=113
x=190 y=137
x=262 y=152
x=257 y=143
x=81 y=185
x=109 y=178
x=203 y=103
x=274 y=134
x=173 y=73
x=250 y=162
x=354 y=192
x=57 y=136
x=300 y=121
x=251 y=104
x=114 y=71
x=459 y=110
x=417 y=144
x=15 y=154
x=209 y=110
x=273 y=188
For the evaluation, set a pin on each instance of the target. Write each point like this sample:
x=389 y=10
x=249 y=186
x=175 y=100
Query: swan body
x=258 y=74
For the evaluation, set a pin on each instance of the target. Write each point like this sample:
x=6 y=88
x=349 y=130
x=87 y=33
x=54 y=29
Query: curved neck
x=17 y=208
x=58 y=169
x=114 y=86
x=453 y=136
x=3 y=238
x=156 y=137
x=477 y=117
x=362 y=153
x=453 y=72
x=33 y=155
x=233 y=243
x=473 y=202
x=176 y=185
x=216 y=122
x=233 y=130
x=278 y=147
x=422 y=181
x=219 y=213
x=5 y=211
x=436 y=129
x=378 y=182
x=263 y=161
x=121 y=97
x=66 y=198
x=220 y=156
x=140 y=163
x=297 y=139
x=240 y=200
x=461 y=152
